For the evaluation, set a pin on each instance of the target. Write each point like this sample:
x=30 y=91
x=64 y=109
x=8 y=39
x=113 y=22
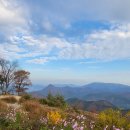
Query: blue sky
x=71 y=41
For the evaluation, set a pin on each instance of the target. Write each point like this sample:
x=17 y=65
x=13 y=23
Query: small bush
x=9 y=99
x=43 y=101
x=4 y=123
x=112 y=118
x=54 y=101
x=25 y=97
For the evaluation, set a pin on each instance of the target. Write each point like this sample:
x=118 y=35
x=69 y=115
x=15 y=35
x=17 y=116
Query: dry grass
x=8 y=96
x=32 y=106
x=3 y=106
x=9 y=99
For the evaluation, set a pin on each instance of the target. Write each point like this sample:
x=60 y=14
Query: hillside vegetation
x=52 y=113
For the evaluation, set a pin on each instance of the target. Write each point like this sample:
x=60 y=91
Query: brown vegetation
x=3 y=106
x=9 y=99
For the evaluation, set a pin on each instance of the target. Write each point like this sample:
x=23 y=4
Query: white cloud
x=13 y=19
x=38 y=61
x=44 y=43
x=102 y=45
x=10 y=13
x=41 y=60
x=27 y=46
x=62 y=12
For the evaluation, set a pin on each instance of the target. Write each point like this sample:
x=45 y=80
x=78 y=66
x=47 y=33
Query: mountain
x=92 y=106
x=65 y=85
x=66 y=91
x=117 y=94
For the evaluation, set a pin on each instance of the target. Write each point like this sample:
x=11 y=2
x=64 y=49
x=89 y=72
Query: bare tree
x=7 y=69
x=21 y=80
x=1 y=83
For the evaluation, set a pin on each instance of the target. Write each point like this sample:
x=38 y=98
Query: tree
x=60 y=101
x=1 y=83
x=7 y=69
x=21 y=78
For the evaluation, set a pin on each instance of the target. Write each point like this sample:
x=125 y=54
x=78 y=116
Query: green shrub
x=17 y=124
x=27 y=96
x=54 y=101
x=43 y=101
x=3 y=122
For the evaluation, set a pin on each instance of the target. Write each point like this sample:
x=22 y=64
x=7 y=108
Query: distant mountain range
x=117 y=94
x=38 y=87
x=92 y=106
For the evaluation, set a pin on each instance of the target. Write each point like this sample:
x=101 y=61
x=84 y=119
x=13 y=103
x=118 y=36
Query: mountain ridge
x=91 y=106
x=117 y=94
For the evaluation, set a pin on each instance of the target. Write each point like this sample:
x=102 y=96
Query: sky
x=68 y=41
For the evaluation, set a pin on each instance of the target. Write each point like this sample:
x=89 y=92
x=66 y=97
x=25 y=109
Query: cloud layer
x=36 y=30
x=103 y=45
